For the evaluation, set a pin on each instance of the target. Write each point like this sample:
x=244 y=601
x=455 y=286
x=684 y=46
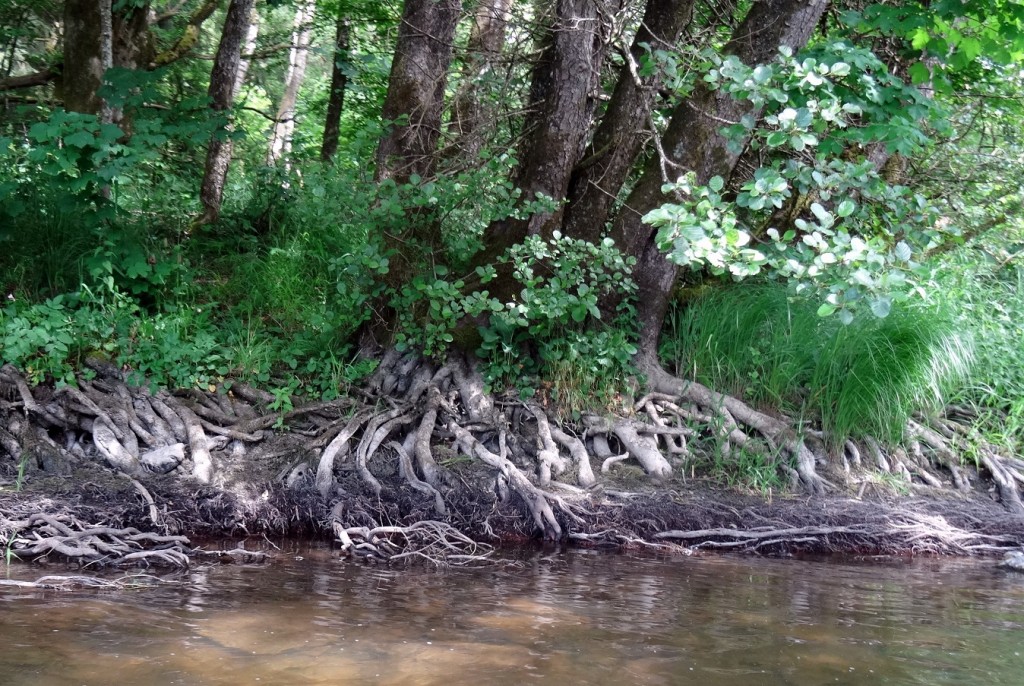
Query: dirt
x=422 y=464
x=625 y=511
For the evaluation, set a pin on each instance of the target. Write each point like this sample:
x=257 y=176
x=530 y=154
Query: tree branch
x=189 y=37
x=39 y=78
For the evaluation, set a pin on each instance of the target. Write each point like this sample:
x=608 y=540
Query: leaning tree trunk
x=414 y=103
x=336 y=100
x=694 y=142
x=565 y=79
x=298 y=55
x=223 y=78
x=596 y=181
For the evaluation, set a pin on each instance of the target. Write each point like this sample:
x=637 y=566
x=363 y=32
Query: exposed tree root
x=57 y=582
x=40 y=535
x=438 y=543
x=403 y=442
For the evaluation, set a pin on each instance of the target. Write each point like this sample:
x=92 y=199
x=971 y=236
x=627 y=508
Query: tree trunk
x=693 y=142
x=413 y=108
x=336 y=100
x=132 y=40
x=83 y=58
x=223 y=79
x=596 y=181
x=95 y=39
x=561 y=106
x=107 y=114
x=414 y=103
x=248 y=48
x=470 y=114
x=284 y=122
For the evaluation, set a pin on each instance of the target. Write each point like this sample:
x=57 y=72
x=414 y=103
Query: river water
x=557 y=617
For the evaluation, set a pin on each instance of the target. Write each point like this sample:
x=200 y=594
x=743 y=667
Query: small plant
x=9 y=549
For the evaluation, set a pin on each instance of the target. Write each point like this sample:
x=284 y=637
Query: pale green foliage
x=855 y=243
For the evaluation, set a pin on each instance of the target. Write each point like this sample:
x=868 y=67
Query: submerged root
x=63 y=536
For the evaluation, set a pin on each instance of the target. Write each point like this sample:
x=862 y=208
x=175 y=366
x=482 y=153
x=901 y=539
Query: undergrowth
x=862 y=379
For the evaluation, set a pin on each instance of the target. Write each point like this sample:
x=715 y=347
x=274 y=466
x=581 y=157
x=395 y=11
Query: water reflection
x=577 y=617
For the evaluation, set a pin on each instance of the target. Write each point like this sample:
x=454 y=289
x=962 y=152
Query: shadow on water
x=573 y=617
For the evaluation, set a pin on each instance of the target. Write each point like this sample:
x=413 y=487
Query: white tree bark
x=284 y=124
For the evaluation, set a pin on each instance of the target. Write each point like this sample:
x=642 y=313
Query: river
x=559 y=617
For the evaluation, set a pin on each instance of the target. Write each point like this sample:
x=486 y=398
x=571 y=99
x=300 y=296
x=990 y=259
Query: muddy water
x=552 y=617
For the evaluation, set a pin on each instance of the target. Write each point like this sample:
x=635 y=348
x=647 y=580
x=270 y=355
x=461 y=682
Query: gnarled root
x=431 y=541
x=734 y=413
x=42 y=535
x=536 y=500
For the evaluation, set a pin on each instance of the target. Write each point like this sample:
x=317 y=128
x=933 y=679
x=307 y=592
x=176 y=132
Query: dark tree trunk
x=336 y=100
x=415 y=98
x=565 y=78
x=597 y=180
x=95 y=39
x=469 y=113
x=133 y=42
x=413 y=109
x=693 y=142
x=83 y=59
x=223 y=78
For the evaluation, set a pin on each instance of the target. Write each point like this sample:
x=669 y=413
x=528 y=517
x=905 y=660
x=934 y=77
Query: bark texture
x=693 y=142
x=415 y=100
x=298 y=56
x=336 y=99
x=564 y=81
x=597 y=180
x=83 y=59
x=470 y=114
x=223 y=79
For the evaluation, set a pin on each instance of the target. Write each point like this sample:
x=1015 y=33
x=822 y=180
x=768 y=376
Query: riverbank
x=96 y=516
x=113 y=473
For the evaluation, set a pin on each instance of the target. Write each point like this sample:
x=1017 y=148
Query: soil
x=116 y=474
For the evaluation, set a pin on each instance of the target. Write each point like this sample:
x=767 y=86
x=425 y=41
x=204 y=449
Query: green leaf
x=823 y=215
x=79 y=139
x=881 y=307
x=919 y=38
x=903 y=251
x=846 y=208
x=919 y=73
x=826 y=310
x=716 y=183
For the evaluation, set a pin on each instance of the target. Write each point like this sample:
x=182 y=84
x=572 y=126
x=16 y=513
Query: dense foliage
x=874 y=214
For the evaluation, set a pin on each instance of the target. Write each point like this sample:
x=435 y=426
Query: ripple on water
x=577 y=617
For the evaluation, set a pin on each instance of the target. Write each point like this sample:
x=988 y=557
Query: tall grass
x=987 y=285
x=867 y=378
x=871 y=376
